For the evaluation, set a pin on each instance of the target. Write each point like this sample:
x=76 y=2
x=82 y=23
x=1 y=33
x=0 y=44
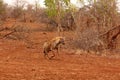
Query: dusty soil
x=17 y=62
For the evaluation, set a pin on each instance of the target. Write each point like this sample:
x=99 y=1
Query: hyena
x=52 y=45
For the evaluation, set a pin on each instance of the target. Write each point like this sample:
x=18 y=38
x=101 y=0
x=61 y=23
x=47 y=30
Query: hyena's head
x=62 y=40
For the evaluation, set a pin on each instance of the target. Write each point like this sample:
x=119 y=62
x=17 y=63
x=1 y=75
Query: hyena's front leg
x=46 y=55
x=57 y=51
x=52 y=55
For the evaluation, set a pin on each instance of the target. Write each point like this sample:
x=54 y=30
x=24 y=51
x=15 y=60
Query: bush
x=89 y=40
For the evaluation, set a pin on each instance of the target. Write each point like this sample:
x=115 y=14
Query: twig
x=118 y=27
x=8 y=34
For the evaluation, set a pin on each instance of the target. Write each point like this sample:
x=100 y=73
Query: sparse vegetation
x=90 y=23
x=95 y=18
x=56 y=9
x=91 y=29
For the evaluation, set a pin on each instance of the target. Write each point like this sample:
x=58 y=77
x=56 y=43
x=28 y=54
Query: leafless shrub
x=50 y=28
x=3 y=10
x=21 y=28
x=18 y=8
x=92 y=20
x=51 y=25
x=89 y=40
x=69 y=21
x=20 y=32
x=17 y=31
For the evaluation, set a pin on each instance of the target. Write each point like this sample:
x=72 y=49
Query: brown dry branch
x=110 y=36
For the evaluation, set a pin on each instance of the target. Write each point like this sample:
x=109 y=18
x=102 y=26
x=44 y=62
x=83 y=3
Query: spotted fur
x=52 y=45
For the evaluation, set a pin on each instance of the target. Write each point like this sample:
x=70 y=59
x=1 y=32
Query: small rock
x=33 y=69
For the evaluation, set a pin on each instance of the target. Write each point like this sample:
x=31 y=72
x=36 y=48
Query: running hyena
x=53 y=45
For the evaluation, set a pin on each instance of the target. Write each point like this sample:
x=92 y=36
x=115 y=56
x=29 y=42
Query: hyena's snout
x=63 y=42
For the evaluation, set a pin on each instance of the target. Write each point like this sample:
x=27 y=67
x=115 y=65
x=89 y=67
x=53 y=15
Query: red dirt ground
x=17 y=62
